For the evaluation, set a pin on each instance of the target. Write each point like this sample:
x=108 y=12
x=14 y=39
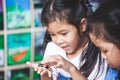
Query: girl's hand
x=58 y=62
x=42 y=70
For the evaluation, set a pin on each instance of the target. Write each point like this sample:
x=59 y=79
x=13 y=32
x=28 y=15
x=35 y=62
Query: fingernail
x=49 y=74
x=38 y=72
x=27 y=62
x=35 y=69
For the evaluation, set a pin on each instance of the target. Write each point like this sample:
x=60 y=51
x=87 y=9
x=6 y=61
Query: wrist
x=76 y=74
x=72 y=69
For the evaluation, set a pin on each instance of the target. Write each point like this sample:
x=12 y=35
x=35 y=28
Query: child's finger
x=33 y=65
x=29 y=64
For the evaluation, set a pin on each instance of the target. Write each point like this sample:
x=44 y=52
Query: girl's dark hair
x=105 y=22
x=72 y=11
x=91 y=54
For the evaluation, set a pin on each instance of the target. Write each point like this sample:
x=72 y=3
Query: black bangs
x=98 y=30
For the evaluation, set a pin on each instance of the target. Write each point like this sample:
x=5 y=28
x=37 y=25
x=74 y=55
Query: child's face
x=109 y=51
x=64 y=35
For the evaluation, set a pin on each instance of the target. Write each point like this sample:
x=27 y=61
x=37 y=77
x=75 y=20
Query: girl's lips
x=65 y=47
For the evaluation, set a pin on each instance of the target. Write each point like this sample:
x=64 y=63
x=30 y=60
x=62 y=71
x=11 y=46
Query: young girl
x=104 y=28
x=69 y=50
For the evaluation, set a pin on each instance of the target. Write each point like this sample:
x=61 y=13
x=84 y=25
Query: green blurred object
x=20 y=76
x=1 y=42
x=19 y=48
x=36 y=76
x=18 y=14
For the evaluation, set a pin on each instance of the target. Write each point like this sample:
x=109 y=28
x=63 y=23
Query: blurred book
x=38 y=6
x=18 y=14
x=2 y=56
x=19 y=48
x=18 y=74
x=39 y=36
x=2 y=75
x=1 y=15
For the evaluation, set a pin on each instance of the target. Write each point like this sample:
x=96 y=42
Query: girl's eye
x=64 y=34
x=105 y=51
x=52 y=34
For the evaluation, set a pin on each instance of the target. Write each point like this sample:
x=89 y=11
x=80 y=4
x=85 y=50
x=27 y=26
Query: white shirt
x=53 y=49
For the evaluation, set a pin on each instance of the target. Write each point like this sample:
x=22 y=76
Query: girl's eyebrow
x=59 y=31
x=63 y=31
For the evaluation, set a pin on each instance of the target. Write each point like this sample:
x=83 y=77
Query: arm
x=76 y=74
x=45 y=77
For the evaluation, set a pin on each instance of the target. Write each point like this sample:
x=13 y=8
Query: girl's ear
x=83 y=24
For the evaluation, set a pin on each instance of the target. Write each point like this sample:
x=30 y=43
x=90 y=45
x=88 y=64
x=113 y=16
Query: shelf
x=21 y=38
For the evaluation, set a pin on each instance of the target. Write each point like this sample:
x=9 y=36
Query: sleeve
x=102 y=72
x=49 y=49
x=53 y=49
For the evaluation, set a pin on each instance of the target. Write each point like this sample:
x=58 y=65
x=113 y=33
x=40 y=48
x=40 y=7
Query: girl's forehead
x=59 y=23
x=58 y=26
x=99 y=42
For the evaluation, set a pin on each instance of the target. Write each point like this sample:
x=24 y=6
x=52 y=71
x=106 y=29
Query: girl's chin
x=68 y=52
x=112 y=66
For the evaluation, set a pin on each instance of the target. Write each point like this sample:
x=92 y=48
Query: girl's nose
x=59 y=40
